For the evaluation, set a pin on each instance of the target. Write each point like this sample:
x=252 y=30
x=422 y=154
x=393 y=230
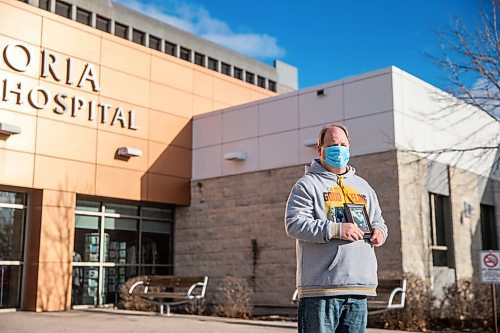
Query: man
x=336 y=267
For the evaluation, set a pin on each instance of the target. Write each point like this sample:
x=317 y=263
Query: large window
x=154 y=42
x=488 y=228
x=185 y=54
x=121 y=30
x=138 y=37
x=171 y=48
x=135 y=240
x=102 y=23
x=12 y=228
x=441 y=231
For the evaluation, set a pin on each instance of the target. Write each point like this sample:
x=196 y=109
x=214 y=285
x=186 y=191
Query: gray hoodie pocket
x=335 y=259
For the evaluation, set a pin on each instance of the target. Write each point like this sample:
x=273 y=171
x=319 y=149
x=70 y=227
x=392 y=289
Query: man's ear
x=319 y=150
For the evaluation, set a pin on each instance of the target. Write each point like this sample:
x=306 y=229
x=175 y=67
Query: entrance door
x=12 y=226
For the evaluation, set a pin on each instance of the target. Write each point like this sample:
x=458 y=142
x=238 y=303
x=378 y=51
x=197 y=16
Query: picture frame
x=356 y=213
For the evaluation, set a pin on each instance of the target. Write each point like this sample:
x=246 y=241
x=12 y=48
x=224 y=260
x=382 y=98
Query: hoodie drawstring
x=345 y=193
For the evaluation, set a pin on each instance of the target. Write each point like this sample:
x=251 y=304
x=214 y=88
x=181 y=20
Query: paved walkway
x=120 y=321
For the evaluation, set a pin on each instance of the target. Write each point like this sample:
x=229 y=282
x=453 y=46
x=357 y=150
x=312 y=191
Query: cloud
x=197 y=20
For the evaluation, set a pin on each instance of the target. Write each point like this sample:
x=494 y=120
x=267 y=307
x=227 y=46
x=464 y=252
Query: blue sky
x=326 y=40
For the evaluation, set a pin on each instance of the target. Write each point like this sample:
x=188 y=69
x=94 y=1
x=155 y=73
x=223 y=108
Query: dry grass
x=232 y=298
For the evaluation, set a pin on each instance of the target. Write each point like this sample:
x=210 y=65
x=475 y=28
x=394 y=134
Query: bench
x=391 y=295
x=167 y=290
x=388 y=293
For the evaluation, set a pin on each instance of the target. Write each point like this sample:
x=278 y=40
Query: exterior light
x=236 y=155
x=321 y=92
x=129 y=152
x=310 y=142
x=8 y=129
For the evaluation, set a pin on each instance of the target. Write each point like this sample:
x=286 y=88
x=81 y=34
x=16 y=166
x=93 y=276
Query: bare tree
x=473 y=55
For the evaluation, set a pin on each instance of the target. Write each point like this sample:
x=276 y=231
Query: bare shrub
x=467 y=304
x=232 y=298
x=418 y=310
x=134 y=302
x=196 y=307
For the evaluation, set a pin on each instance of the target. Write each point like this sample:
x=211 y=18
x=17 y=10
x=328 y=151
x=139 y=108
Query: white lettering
x=33 y=97
x=119 y=116
x=7 y=89
x=13 y=60
x=48 y=60
x=104 y=115
x=77 y=105
x=131 y=120
x=89 y=75
x=60 y=100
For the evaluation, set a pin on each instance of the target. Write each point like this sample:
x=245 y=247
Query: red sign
x=490 y=260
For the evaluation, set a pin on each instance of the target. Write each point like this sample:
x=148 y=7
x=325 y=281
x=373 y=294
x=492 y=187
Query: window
x=238 y=73
x=213 y=64
x=261 y=81
x=138 y=37
x=121 y=30
x=135 y=240
x=83 y=16
x=250 y=77
x=271 y=85
x=171 y=48
x=43 y=4
x=102 y=23
x=63 y=9
x=488 y=228
x=185 y=54
x=155 y=43
x=199 y=59
x=440 y=218
x=225 y=68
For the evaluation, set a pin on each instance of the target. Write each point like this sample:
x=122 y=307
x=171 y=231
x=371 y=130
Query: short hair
x=324 y=129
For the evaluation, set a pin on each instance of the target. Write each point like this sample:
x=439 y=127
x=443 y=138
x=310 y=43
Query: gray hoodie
x=327 y=265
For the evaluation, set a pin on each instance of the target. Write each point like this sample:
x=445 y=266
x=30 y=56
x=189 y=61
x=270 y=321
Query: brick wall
x=214 y=235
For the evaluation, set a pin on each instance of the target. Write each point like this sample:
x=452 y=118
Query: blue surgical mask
x=337 y=156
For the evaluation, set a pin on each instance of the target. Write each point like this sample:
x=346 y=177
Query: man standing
x=336 y=266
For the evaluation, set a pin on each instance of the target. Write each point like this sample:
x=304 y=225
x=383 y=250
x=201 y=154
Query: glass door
x=12 y=226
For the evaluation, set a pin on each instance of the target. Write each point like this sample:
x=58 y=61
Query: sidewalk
x=121 y=321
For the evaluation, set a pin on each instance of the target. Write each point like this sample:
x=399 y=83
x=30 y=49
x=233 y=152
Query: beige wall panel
x=80 y=115
x=166 y=129
x=60 y=77
x=140 y=121
x=18 y=23
x=278 y=115
x=257 y=93
x=29 y=61
x=201 y=105
x=250 y=147
x=123 y=56
x=54 y=287
x=203 y=84
x=168 y=189
x=120 y=183
x=171 y=100
x=317 y=110
x=59 y=174
x=16 y=168
x=108 y=144
x=65 y=38
x=240 y=124
x=26 y=84
x=124 y=87
x=24 y=141
x=278 y=150
x=58 y=139
x=58 y=225
x=230 y=93
x=170 y=160
x=172 y=73
x=59 y=198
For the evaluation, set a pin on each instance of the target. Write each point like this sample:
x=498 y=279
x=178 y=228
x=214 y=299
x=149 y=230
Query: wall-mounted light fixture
x=129 y=152
x=8 y=129
x=236 y=155
x=321 y=92
x=310 y=142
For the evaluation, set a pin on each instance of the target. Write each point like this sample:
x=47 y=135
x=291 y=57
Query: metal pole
x=494 y=306
x=1 y=291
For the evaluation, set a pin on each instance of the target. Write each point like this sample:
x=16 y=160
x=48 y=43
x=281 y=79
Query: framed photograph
x=356 y=213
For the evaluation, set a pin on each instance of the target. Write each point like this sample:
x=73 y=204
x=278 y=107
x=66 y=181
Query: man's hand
x=351 y=232
x=377 y=238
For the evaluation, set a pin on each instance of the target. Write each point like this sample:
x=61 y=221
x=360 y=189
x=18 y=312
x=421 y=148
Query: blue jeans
x=342 y=314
